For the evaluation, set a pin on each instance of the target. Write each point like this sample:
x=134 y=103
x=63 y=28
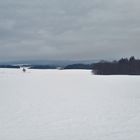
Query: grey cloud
x=63 y=29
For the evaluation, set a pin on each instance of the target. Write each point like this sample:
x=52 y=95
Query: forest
x=124 y=66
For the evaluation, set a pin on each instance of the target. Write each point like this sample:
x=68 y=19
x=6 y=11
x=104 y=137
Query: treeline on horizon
x=124 y=66
x=39 y=66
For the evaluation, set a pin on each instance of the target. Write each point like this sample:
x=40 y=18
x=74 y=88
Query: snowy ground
x=68 y=105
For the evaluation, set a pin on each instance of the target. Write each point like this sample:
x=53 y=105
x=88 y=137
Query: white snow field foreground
x=68 y=105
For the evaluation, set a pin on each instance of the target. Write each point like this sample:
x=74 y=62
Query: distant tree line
x=29 y=66
x=42 y=67
x=79 y=66
x=9 y=66
x=124 y=66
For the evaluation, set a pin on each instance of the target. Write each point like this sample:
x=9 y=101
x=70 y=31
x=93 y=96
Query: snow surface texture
x=68 y=105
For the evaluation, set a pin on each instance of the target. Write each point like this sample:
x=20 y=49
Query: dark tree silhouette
x=123 y=67
x=79 y=66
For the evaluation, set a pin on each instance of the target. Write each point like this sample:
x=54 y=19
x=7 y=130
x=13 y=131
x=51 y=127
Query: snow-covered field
x=68 y=105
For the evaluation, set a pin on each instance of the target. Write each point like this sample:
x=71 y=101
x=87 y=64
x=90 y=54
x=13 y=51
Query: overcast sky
x=64 y=29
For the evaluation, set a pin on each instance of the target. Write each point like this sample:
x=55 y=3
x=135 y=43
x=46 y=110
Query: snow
x=68 y=105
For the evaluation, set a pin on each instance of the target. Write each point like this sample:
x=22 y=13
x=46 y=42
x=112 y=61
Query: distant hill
x=9 y=66
x=49 y=64
x=79 y=66
x=56 y=63
x=42 y=67
x=73 y=66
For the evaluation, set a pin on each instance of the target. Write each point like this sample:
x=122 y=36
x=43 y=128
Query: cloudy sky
x=64 y=29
